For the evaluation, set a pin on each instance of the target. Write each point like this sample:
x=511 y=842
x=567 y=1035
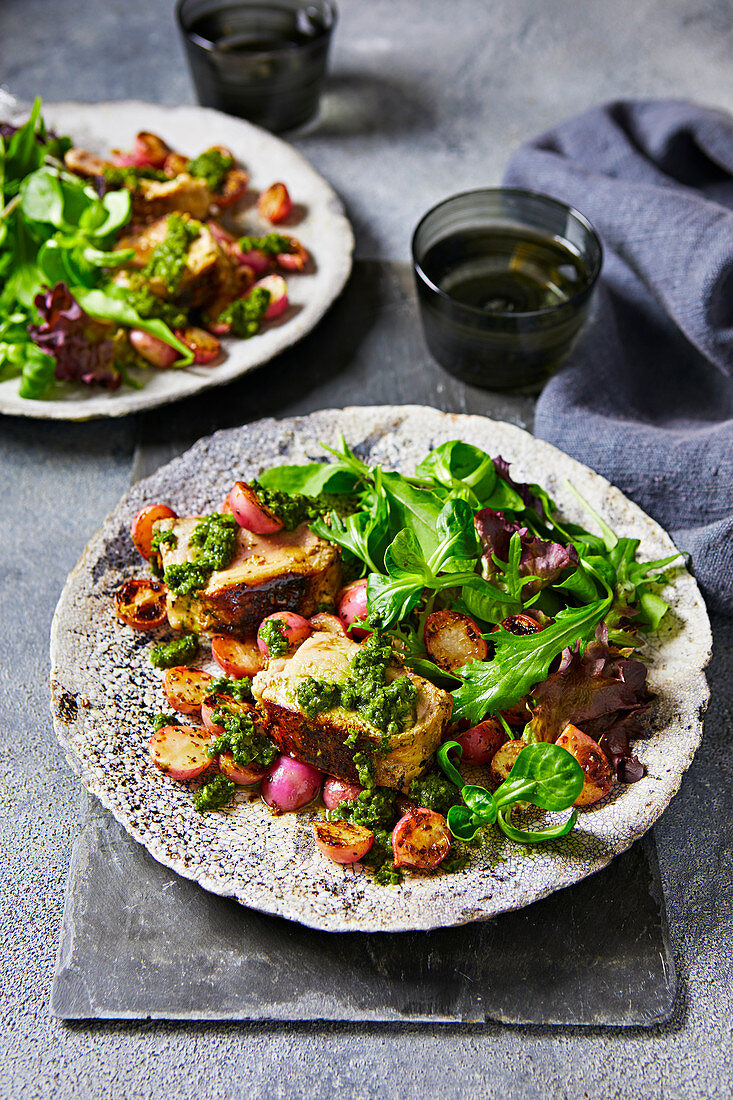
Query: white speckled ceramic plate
x=105 y=691
x=319 y=222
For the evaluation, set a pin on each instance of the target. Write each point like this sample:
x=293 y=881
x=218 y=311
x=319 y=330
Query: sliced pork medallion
x=292 y=570
x=321 y=740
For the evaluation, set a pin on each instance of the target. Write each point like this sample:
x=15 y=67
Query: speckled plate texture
x=105 y=692
x=318 y=221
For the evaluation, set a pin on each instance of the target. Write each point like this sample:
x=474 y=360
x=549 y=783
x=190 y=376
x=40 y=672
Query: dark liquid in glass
x=258 y=29
x=264 y=62
x=503 y=270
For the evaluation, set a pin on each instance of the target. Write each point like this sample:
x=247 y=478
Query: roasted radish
x=599 y=776
x=155 y=351
x=233 y=187
x=141 y=603
x=246 y=775
x=420 y=840
x=150 y=151
x=142 y=527
x=296 y=259
x=186 y=688
x=504 y=759
x=237 y=657
x=210 y=704
x=275 y=203
x=521 y=624
x=481 y=743
x=180 y=751
x=323 y=620
x=336 y=791
x=204 y=346
x=287 y=630
x=452 y=639
x=277 y=288
x=351 y=605
x=290 y=784
x=341 y=841
x=250 y=512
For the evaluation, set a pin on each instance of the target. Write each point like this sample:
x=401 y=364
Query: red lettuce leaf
x=603 y=693
x=539 y=558
x=82 y=347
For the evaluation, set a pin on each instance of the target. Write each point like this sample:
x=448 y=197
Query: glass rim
x=211 y=47
x=523 y=193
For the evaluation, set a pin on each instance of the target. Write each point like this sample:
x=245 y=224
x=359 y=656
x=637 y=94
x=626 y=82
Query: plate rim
x=75 y=409
x=157 y=850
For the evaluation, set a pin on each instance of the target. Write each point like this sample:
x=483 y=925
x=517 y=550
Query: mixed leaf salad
x=526 y=628
x=111 y=266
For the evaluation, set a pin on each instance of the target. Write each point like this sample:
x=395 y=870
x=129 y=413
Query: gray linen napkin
x=646 y=397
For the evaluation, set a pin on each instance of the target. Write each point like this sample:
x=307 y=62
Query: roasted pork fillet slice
x=320 y=741
x=292 y=570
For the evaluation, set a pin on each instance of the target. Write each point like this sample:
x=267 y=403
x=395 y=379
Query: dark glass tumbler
x=504 y=281
x=262 y=61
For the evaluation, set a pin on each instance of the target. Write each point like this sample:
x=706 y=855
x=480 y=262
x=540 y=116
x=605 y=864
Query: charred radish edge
x=542 y=776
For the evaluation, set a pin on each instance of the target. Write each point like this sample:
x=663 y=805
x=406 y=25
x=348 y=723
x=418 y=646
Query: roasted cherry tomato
x=141 y=603
x=142 y=526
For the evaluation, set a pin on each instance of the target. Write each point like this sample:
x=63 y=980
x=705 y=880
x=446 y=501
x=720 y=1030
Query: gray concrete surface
x=426 y=98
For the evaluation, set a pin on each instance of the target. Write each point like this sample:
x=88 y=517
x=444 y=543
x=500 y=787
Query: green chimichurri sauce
x=130 y=176
x=244 y=315
x=435 y=792
x=365 y=691
x=214 y=794
x=164 y=538
x=272 y=244
x=271 y=633
x=180 y=651
x=241 y=738
x=214 y=543
x=295 y=508
x=159 y=721
x=238 y=689
x=211 y=166
x=148 y=305
x=168 y=260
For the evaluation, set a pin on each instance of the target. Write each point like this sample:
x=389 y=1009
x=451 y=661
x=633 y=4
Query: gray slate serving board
x=137 y=941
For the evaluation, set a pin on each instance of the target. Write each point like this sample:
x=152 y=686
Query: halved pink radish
x=180 y=751
x=481 y=743
x=338 y=790
x=257 y=260
x=150 y=151
x=294 y=629
x=155 y=351
x=186 y=688
x=233 y=187
x=211 y=702
x=290 y=784
x=277 y=288
x=351 y=605
x=250 y=512
x=237 y=657
x=245 y=775
x=142 y=526
x=341 y=841
x=323 y=620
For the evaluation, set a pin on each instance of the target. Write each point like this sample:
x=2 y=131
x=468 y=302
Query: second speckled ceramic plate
x=105 y=691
